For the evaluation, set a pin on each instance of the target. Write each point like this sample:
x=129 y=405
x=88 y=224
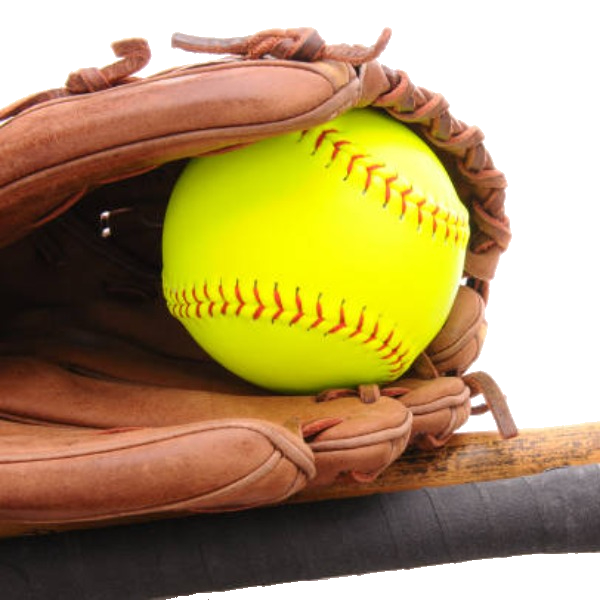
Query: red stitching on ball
x=433 y=213
x=400 y=358
x=403 y=195
x=238 y=297
x=420 y=204
x=393 y=352
x=373 y=335
x=370 y=170
x=261 y=306
x=197 y=301
x=278 y=303
x=386 y=341
x=359 y=326
x=180 y=304
x=225 y=301
x=397 y=370
x=320 y=318
x=418 y=201
x=388 y=188
x=322 y=137
x=211 y=305
x=300 y=312
x=456 y=232
x=336 y=148
x=353 y=160
x=342 y=322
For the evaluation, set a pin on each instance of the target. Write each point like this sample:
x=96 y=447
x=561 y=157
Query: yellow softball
x=318 y=259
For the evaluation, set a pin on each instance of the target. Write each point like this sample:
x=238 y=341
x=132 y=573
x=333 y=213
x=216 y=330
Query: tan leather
x=58 y=475
x=108 y=410
x=459 y=343
x=154 y=121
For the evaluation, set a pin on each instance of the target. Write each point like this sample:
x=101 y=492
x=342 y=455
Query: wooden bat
x=477 y=457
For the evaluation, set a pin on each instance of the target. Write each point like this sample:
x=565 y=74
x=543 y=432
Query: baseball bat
x=477 y=457
x=504 y=510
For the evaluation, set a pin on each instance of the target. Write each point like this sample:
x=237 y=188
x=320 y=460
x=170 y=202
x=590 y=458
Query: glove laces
x=302 y=44
x=478 y=383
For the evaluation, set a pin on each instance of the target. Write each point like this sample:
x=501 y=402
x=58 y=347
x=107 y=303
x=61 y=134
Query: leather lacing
x=303 y=44
x=133 y=54
x=479 y=383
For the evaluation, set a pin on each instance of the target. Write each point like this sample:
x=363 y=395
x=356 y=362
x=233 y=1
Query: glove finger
x=459 y=342
x=58 y=475
x=360 y=447
x=439 y=407
x=67 y=456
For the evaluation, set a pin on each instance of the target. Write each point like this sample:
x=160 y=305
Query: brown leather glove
x=108 y=410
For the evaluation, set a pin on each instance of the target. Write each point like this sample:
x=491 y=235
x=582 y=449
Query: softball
x=318 y=259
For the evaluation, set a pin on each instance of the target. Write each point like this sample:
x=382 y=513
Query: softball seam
x=395 y=189
x=194 y=303
x=395 y=194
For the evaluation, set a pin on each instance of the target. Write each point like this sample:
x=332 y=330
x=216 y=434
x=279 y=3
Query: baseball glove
x=109 y=412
